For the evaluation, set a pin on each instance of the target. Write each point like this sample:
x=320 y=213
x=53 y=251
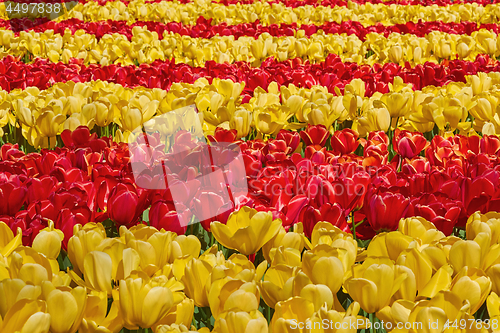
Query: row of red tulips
x=205 y=29
x=91 y=179
x=161 y=74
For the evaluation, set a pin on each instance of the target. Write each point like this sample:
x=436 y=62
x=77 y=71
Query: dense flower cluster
x=228 y=166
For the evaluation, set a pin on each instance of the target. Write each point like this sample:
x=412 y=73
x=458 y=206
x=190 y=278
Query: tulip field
x=252 y=166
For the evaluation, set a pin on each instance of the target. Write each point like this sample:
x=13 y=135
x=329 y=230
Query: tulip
x=384 y=210
x=407 y=144
x=247 y=230
x=315 y=135
x=8 y=243
x=235 y=322
x=344 y=142
x=96 y=317
x=196 y=280
x=144 y=303
x=420 y=228
x=472 y=284
x=441 y=211
x=66 y=308
x=278 y=284
x=374 y=286
x=27 y=316
x=48 y=241
x=290 y=312
x=233 y=295
x=13 y=194
x=123 y=205
x=323 y=266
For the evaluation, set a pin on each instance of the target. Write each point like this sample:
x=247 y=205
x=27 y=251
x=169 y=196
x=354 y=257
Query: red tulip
x=438 y=209
x=384 y=210
x=315 y=135
x=344 y=142
x=408 y=144
x=328 y=212
x=12 y=194
x=163 y=215
x=123 y=205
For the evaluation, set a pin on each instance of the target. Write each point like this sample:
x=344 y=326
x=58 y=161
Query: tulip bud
x=395 y=53
x=48 y=241
x=463 y=50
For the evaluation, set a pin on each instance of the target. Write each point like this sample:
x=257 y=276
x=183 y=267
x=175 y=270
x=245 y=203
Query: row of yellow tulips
x=368 y=14
x=45 y=114
x=154 y=279
x=147 y=46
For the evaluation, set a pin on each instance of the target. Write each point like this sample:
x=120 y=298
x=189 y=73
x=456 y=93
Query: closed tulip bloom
x=374 y=287
x=239 y=321
x=418 y=227
x=408 y=144
x=196 y=280
x=66 y=308
x=290 y=312
x=233 y=295
x=384 y=210
x=472 y=284
x=277 y=284
x=246 y=230
x=338 y=322
x=344 y=142
x=48 y=241
x=27 y=316
x=395 y=53
x=97 y=272
x=143 y=303
x=323 y=266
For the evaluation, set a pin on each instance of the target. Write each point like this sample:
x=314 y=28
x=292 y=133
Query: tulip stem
x=353 y=226
x=372 y=328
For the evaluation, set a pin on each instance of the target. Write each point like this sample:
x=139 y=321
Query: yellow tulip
x=97 y=272
x=437 y=311
x=8 y=243
x=66 y=307
x=143 y=303
x=241 y=121
x=27 y=316
x=419 y=265
x=277 y=284
x=246 y=230
x=374 y=286
x=389 y=245
x=472 y=284
x=324 y=265
x=420 y=228
x=290 y=313
x=398 y=104
x=95 y=319
x=395 y=54
x=348 y=321
x=233 y=295
x=85 y=240
x=240 y=321
x=48 y=241
x=196 y=280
